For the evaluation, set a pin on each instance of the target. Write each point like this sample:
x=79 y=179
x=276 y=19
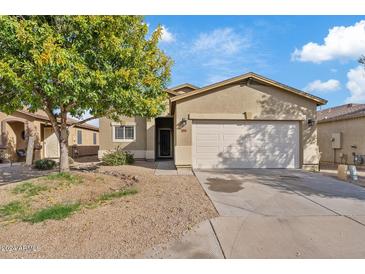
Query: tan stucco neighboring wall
x=28 y=123
x=12 y=132
x=87 y=137
x=87 y=147
x=258 y=102
x=352 y=133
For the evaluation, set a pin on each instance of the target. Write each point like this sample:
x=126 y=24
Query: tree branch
x=53 y=120
x=83 y=121
x=48 y=110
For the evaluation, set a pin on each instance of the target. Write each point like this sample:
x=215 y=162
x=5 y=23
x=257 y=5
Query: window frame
x=124 y=140
x=95 y=140
x=77 y=137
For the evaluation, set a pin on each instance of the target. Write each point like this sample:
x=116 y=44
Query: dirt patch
x=163 y=208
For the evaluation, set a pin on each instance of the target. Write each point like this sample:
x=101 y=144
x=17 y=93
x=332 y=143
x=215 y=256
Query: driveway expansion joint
x=216 y=236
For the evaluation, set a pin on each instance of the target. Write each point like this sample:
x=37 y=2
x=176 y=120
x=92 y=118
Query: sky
x=317 y=54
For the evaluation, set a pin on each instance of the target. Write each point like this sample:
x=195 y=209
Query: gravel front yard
x=163 y=208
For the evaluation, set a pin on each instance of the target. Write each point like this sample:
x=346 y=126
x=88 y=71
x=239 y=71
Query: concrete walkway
x=167 y=167
x=275 y=214
x=18 y=172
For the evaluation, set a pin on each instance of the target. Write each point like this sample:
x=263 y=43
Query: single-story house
x=341 y=133
x=248 y=121
x=15 y=129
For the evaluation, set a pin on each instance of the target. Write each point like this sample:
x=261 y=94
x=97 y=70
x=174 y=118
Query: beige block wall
x=353 y=133
x=259 y=102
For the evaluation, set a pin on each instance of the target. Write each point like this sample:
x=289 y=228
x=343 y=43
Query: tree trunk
x=64 y=165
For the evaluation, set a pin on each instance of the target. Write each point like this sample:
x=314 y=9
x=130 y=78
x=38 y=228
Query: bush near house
x=118 y=158
x=45 y=164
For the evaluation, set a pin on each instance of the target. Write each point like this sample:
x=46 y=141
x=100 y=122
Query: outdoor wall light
x=183 y=122
x=310 y=122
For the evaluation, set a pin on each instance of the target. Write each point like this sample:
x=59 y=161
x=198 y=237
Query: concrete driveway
x=275 y=214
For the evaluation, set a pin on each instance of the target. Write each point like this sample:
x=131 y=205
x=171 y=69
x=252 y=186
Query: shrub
x=45 y=164
x=118 y=158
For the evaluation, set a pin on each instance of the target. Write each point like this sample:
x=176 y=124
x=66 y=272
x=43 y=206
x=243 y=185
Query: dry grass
x=123 y=227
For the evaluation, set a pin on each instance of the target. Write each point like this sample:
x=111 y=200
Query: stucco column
x=29 y=129
x=3 y=137
x=311 y=156
x=150 y=139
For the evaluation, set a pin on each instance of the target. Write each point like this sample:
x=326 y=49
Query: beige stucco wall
x=106 y=135
x=353 y=133
x=259 y=102
x=144 y=144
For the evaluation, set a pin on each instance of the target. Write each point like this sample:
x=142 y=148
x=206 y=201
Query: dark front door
x=165 y=143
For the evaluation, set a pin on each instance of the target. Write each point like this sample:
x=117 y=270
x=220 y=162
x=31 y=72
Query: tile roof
x=69 y=120
x=342 y=112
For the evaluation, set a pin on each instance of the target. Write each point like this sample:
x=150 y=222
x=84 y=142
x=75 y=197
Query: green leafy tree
x=106 y=65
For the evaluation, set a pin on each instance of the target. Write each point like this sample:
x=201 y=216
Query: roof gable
x=184 y=86
x=181 y=89
x=248 y=76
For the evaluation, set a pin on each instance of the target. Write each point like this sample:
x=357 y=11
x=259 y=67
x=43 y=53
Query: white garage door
x=245 y=144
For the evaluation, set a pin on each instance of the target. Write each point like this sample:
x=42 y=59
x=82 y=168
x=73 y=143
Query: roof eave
x=183 y=86
x=46 y=119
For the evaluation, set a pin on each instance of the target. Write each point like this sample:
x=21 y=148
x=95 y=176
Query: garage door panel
x=206 y=137
x=208 y=128
x=246 y=144
x=207 y=143
x=207 y=149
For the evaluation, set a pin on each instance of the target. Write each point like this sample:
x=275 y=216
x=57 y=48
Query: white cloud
x=340 y=43
x=356 y=85
x=318 y=85
x=167 y=36
x=222 y=40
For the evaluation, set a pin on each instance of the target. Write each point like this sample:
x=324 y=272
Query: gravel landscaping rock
x=163 y=208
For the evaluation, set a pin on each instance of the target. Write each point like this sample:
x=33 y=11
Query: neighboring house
x=247 y=121
x=341 y=133
x=15 y=129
